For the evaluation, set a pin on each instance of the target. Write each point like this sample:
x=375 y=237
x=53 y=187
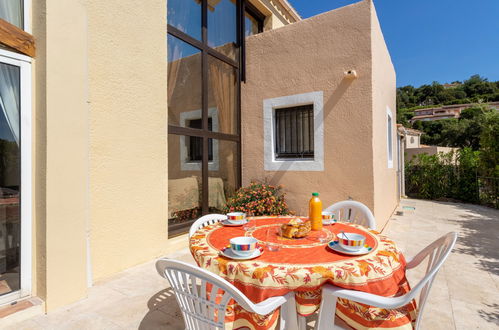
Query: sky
x=432 y=40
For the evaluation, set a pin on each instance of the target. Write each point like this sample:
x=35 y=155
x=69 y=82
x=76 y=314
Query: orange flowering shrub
x=258 y=199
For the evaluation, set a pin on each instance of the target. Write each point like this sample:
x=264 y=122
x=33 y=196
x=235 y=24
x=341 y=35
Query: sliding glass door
x=15 y=149
x=204 y=39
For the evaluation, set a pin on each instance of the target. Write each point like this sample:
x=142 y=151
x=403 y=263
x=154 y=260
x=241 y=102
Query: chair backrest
x=202 y=296
x=437 y=252
x=354 y=212
x=205 y=220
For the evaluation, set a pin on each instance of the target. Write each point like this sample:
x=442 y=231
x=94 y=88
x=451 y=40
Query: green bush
x=450 y=176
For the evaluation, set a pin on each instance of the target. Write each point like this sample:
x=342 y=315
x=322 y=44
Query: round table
x=304 y=266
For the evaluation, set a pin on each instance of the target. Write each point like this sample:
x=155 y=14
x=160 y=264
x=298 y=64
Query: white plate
x=230 y=224
x=328 y=222
x=333 y=245
x=230 y=254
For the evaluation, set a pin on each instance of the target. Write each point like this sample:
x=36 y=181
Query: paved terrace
x=465 y=294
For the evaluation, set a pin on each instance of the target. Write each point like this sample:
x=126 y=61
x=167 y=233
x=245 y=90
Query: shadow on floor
x=479 y=235
x=493 y=316
x=163 y=313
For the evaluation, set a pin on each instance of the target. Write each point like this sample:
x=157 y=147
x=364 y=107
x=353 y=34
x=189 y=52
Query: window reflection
x=12 y=12
x=222 y=181
x=222 y=94
x=184 y=80
x=185 y=15
x=222 y=27
x=252 y=25
x=10 y=178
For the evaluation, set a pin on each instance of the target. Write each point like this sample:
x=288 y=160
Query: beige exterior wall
x=128 y=131
x=429 y=150
x=60 y=163
x=412 y=141
x=383 y=95
x=308 y=56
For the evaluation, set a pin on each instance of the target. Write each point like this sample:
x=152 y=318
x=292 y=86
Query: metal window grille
x=294 y=136
x=196 y=143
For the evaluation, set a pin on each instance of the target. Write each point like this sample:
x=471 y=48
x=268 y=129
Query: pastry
x=296 y=228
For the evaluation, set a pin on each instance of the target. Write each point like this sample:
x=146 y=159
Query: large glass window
x=185 y=15
x=203 y=107
x=222 y=27
x=10 y=178
x=184 y=81
x=222 y=94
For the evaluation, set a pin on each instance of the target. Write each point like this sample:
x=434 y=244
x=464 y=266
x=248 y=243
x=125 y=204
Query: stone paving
x=465 y=294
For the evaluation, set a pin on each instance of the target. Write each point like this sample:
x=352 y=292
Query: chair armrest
x=367 y=298
x=270 y=304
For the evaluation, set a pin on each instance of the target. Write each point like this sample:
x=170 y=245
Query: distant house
x=444 y=112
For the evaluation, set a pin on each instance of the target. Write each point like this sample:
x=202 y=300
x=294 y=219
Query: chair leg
x=327 y=311
x=302 y=322
x=288 y=315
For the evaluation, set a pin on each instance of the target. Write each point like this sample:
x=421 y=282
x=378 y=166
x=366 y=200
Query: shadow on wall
x=164 y=312
x=329 y=104
x=479 y=235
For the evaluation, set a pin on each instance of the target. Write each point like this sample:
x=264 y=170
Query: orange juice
x=315 y=212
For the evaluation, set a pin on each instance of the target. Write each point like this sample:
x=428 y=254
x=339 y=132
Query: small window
x=389 y=125
x=195 y=143
x=253 y=20
x=294 y=137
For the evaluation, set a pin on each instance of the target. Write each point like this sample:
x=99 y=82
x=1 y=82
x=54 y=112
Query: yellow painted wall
x=60 y=163
x=384 y=95
x=128 y=133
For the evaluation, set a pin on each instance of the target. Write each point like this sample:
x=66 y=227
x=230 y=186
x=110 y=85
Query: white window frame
x=186 y=165
x=271 y=163
x=24 y=63
x=389 y=137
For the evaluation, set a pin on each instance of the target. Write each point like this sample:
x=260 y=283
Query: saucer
x=333 y=245
x=228 y=253
x=328 y=222
x=230 y=224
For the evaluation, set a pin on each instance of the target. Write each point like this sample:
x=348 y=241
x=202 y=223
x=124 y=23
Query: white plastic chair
x=190 y=286
x=205 y=220
x=354 y=212
x=437 y=252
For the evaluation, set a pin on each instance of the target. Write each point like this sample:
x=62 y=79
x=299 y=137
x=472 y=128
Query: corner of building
x=385 y=167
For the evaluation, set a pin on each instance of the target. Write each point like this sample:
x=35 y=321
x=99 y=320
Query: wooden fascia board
x=14 y=37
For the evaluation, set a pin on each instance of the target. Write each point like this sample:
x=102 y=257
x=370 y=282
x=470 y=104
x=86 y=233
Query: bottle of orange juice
x=315 y=212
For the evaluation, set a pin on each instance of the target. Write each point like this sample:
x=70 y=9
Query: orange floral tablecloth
x=304 y=266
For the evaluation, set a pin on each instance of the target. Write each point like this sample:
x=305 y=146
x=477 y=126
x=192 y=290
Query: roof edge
x=290 y=9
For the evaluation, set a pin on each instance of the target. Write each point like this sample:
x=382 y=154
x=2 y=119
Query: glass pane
x=223 y=175
x=222 y=96
x=184 y=82
x=250 y=25
x=10 y=179
x=185 y=15
x=222 y=26
x=12 y=12
x=184 y=184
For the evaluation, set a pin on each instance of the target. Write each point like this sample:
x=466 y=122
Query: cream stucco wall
x=384 y=96
x=60 y=143
x=128 y=133
x=307 y=56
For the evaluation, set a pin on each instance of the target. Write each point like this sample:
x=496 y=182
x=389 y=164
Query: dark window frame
x=293 y=118
x=205 y=132
x=250 y=9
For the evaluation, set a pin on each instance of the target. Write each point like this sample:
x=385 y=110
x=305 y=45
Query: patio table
x=304 y=266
